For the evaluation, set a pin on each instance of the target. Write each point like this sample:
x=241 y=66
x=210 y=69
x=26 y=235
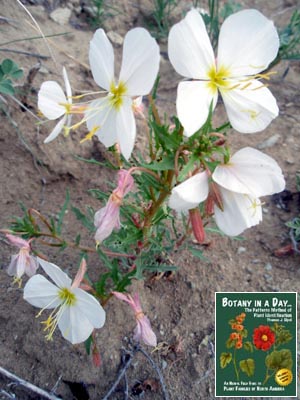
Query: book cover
x=256 y=344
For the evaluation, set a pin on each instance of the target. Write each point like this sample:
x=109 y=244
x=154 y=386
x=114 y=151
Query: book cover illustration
x=256 y=344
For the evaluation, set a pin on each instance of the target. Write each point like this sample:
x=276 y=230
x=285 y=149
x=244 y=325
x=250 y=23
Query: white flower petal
x=41 y=293
x=248 y=42
x=193 y=102
x=140 y=62
x=90 y=307
x=190 y=193
x=74 y=326
x=250 y=172
x=56 y=131
x=101 y=114
x=126 y=128
x=251 y=109
x=67 y=85
x=101 y=57
x=189 y=48
x=50 y=98
x=60 y=278
x=240 y=212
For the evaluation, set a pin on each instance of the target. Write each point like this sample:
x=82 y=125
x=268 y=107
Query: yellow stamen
x=218 y=78
x=90 y=134
x=116 y=94
x=18 y=281
x=67 y=296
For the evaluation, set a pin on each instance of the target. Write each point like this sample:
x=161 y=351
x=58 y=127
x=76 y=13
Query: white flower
x=248 y=175
x=111 y=118
x=53 y=103
x=248 y=42
x=75 y=312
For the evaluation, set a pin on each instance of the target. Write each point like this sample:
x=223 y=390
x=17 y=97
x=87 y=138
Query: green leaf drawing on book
x=248 y=366
x=225 y=359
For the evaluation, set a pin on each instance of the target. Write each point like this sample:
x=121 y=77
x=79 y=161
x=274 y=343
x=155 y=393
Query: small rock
x=44 y=70
x=61 y=15
x=265 y=210
x=268 y=267
x=269 y=142
x=115 y=38
x=290 y=161
x=164 y=364
x=268 y=277
x=241 y=250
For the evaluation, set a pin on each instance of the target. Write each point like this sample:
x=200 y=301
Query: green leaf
x=225 y=359
x=6 y=87
x=284 y=336
x=230 y=343
x=63 y=212
x=87 y=344
x=17 y=74
x=248 y=346
x=167 y=163
x=279 y=359
x=188 y=167
x=7 y=66
x=87 y=222
x=248 y=366
x=198 y=253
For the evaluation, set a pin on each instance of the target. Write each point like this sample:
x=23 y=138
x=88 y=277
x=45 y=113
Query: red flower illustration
x=263 y=337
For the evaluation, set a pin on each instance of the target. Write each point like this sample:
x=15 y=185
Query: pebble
x=61 y=15
x=265 y=210
x=269 y=142
x=268 y=267
x=44 y=70
x=115 y=38
x=241 y=250
x=164 y=364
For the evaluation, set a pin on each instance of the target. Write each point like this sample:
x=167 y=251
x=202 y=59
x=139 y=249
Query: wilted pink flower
x=108 y=218
x=21 y=263
x=143 y=331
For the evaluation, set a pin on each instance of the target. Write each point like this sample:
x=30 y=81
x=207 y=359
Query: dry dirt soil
x=182 y=308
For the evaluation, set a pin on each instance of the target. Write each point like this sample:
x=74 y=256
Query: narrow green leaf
x=198 y=253
x=63 y=212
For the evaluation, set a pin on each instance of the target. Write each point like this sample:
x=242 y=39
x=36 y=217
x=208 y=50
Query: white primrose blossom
x=111 y=117
x=53 y=103
x=248 y=175
x=248 y=43
x=75 y=311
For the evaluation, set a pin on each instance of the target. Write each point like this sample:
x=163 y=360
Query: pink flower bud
x=108 y=218
x=143 y=331
x=197 y=225
x=21 y=263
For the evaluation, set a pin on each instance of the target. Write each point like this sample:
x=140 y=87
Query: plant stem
x=235 y=366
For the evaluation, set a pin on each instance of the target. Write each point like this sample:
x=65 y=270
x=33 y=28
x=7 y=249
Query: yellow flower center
x=68 y=298
x=116 y=94
x=218 y=78
x=264 y=338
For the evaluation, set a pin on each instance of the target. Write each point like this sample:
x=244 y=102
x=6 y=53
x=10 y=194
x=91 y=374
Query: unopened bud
x=197 y=225
x=215 y=193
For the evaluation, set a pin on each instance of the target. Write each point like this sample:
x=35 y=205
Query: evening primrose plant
x=185 y=182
